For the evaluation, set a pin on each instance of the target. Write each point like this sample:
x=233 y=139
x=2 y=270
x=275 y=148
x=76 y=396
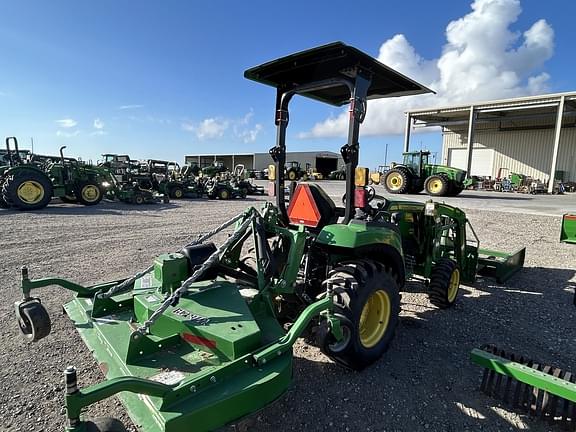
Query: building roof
x=541 y=107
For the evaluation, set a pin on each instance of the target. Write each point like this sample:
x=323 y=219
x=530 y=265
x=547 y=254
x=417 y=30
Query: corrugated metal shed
x=520 y=131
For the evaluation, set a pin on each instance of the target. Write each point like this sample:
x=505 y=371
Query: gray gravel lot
x=424 y=382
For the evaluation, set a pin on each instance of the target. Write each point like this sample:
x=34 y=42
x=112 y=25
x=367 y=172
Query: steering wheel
x=371 y=193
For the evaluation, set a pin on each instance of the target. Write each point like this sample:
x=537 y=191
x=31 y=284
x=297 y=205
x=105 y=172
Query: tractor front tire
x=27 y=190
x=105 y=424
x=437 y=185
x=397 y=181
x=444 y=283
x=292 y=175
x=367 y=303
x=89 y=193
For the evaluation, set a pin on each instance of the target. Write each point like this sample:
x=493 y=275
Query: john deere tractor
x=204 y=335
x=28 y=186
x=415 y=174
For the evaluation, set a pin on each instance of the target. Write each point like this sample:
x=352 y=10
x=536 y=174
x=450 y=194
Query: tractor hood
x=332 y=61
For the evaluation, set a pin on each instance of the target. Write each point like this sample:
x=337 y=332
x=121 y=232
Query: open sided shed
x=534 y=136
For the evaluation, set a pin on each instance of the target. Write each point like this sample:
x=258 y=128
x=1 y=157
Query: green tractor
x=28 y=186
x=204 y=335
x=294 y=171
x=415 y=174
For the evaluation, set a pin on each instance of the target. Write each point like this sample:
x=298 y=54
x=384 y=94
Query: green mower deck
x=568 y=229
x=205 y=388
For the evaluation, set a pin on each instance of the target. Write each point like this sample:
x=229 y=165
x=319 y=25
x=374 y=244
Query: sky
x=163 y=79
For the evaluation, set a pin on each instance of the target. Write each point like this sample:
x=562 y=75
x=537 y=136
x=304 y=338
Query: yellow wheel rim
x=178 y=193
x=394 y=181
x=453 y=285
x=90 y=193
x=224 y=194
x=30 y=192
x=435 y=185
x=374 y=318
x=291 y=175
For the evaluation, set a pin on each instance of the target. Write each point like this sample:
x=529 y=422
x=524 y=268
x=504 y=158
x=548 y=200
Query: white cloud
x=250 y=135
x=98 y=124
x=129 y=107
x=65 y=134
x=207 y=129
x=66 y=123
x=481 y=60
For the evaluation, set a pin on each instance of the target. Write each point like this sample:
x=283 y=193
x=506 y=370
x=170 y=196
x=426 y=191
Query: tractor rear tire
x=367 y=303
x=34 y=321
x=454 y=189
x=437 y=185
x=397 y=181
x=105 y=424
x=176 y=193
x=27 y=190
x=89 y=193
x=3 y=204
x=223 y=194
x=444 y=283
x=292 y=175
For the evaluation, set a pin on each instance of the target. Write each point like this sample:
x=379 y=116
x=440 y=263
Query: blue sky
x=163 y=79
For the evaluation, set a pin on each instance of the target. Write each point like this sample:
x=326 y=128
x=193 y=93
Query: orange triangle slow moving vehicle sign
x=302 y=209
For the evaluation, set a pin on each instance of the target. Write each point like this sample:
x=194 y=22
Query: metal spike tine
x=538 y=394
x=545 y=394
x=489 y=384
x=566 y=404
x=508 y=385
x=533 y=402
x=526 y=397
x=496 y=389
x=516 y=401
x=554 y=399
x=484 y=381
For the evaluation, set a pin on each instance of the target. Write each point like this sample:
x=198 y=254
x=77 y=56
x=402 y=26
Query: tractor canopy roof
x=332 y=61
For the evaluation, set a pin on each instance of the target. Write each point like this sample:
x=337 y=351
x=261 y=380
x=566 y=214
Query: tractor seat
x=301 y=208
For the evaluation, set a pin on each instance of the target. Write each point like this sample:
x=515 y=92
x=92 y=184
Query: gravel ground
x=424 y=382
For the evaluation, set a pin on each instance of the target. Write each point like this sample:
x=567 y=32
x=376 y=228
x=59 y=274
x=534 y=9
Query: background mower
x=204 y=335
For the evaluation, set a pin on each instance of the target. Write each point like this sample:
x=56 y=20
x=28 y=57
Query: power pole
x=386 y=155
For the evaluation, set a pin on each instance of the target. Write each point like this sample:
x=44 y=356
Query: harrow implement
x=539 y=390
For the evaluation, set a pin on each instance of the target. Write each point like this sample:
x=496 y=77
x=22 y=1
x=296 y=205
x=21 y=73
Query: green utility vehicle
x=28 y=186
x=204 y=335
x=416 y=174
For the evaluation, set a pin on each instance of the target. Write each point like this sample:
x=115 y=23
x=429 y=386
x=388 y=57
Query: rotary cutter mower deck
x=204 y=335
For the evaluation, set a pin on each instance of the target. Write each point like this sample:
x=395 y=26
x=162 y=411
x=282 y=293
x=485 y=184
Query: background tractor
x=28 y=186
x=415 y=174
x=204 y=335
x=294 y=171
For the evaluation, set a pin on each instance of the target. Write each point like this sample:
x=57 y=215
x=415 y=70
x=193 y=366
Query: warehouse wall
x=262 y=160
x=527 y=152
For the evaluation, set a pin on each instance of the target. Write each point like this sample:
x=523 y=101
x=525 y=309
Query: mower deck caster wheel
x=105 y=424
x=33 y=320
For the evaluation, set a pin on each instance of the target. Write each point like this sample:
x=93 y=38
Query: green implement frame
x=568 y=229
x=540 y=390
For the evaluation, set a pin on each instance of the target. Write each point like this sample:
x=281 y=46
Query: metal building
x=534 y=136
x=323 y=161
